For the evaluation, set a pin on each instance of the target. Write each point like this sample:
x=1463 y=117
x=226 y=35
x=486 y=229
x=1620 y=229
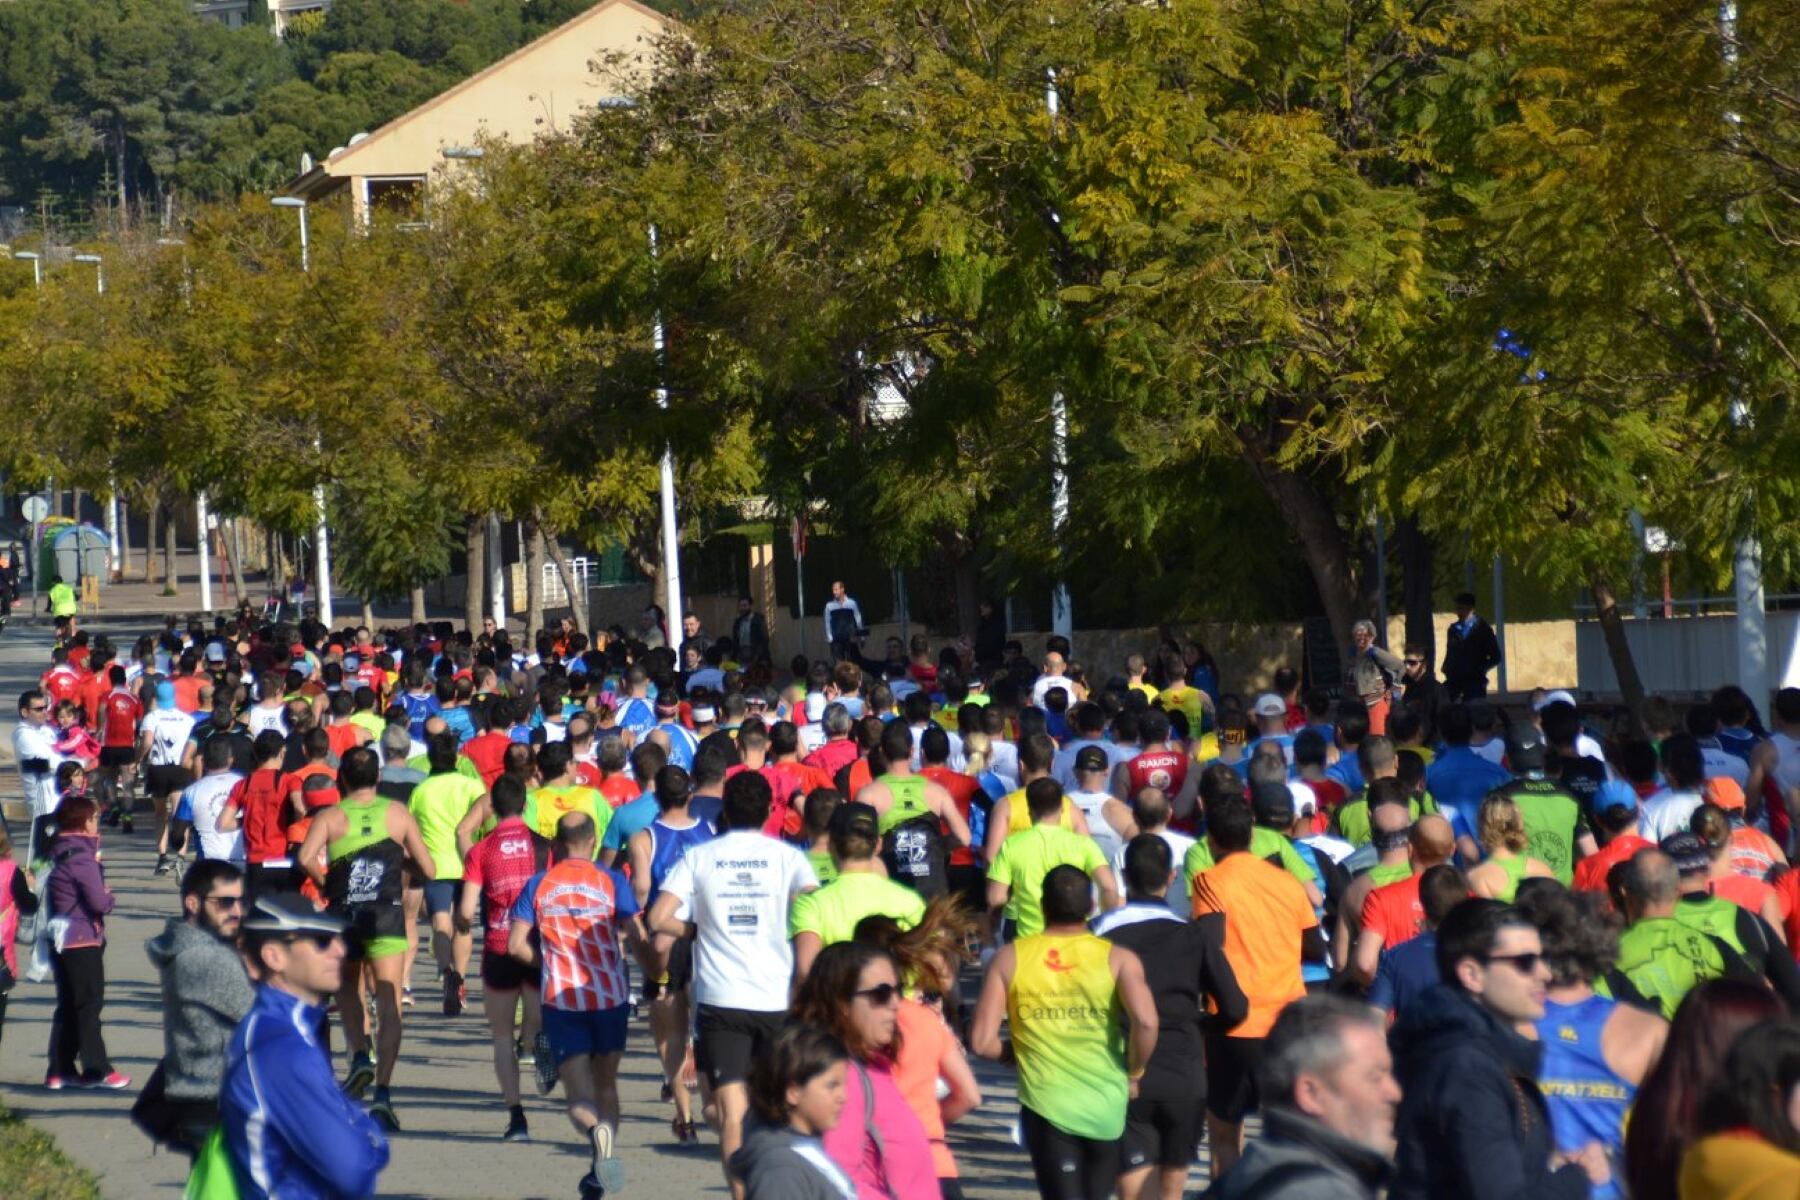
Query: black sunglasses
x=320 y=941
x=1525 y=964
x=226 y=901
x=881 y=995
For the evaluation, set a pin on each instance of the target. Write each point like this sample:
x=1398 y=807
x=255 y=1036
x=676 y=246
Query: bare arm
x=999 y=818
x=319 y=834
x=473 y=820
x=663 y=918
x=465 y=906
x=965 y=1092
x=807 y=945
x=408 y=837
x=1368 y=956
x=1140 y=1007
x=984 y=1029
x=1109 y=888
x=940 y=803
x=518 y=942
x=639 y=849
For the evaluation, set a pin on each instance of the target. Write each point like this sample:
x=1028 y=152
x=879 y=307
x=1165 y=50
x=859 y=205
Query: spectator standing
x=79 y=902
x=1470 y=651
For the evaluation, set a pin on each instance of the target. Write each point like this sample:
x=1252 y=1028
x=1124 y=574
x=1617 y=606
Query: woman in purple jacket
x=79 y=901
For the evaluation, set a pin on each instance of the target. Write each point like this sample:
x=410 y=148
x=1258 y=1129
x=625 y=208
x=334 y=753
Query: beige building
x=537 y=89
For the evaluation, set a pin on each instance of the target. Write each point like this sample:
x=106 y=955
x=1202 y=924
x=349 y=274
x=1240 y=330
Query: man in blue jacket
x=290 y=1130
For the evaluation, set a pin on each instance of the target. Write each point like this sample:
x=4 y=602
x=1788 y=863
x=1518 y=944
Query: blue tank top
x=1311 y=972
x=1587 y=1100
x=668 y=844
x=682 y=744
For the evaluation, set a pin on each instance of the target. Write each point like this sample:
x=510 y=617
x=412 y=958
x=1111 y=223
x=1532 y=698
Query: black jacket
x=1472 y=1122
x=1183 y=961
x=1297 y=1158
x=1469 y=657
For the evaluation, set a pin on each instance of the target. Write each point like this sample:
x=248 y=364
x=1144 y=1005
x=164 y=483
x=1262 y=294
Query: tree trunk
x=171 y=578
x=368 y=613
x=1612 y=627
x=418 y=604
x=534 y=582
x=150 y=552
x=475 y=544
x=577 y=603
x=233 y=546
x=1417 y=553
x=124 y=540
x=967 y=575
x=1322 y=540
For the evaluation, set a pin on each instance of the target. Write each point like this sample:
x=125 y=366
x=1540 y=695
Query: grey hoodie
x=776 y=1163
x=205 y=994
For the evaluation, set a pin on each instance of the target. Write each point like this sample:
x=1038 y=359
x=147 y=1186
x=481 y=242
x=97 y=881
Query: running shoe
x=362 y=1074
x=381 y=1110
x=546 y=1063
x=406 y=997
x=55 y=1083
x=516 y=1130
x=112 y=1081
x=125 y=823
x=163 y=864
x=456 y=993
x=609 y=1171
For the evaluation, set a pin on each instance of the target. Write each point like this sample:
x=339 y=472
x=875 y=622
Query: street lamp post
x=37 y=265
x=114 y=558
x=322 y=536
x=1062 y=613
x=37 y=282
x=202 y=535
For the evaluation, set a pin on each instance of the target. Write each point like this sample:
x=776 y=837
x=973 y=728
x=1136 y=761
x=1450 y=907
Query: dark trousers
x=75 y=1029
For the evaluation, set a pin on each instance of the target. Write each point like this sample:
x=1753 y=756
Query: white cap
x=1552 y=698
x=1269 y=705
x=1306 y=801
x=815 y=706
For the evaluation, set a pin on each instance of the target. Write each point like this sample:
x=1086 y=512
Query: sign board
x=35 y=508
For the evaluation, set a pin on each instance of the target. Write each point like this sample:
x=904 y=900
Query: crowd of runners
x=1437 y=947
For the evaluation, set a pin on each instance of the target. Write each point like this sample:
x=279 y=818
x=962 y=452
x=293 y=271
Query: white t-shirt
x=737 y=889
x=169 y=730
x=1093 y=807
x=957 y=760
x=258 y=719
x=1668 y=811
x=1045 y=683
x=206 y=797
x=1179 y=844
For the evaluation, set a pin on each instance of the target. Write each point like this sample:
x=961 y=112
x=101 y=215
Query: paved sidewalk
x=444 y=1090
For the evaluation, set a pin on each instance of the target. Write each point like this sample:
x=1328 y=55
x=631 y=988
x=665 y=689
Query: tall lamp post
x=321 y=536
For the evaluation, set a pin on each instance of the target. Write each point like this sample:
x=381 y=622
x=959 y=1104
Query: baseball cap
x=289 y=912
x=1090 y=758
x=1688 y=851
x=1559 y=696
x=1614 y=794
x=1525 y=749
x=165 y=695
x=215 y=652
x=1269 y=705
x=1725 y=792
x=815 y=706
x=855 y=819
x=1272 y=804
x=704 y=713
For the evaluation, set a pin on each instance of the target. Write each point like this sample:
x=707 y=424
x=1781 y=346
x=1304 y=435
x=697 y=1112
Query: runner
x=732 y=895
x=560 y=795
x=579 y=912
x=1063 y=991
x=162 y=743
x=1109 y=821
x=859 y=889
x=1556 y=829
x=369 y=839
x=259 y=807
x=669 y=967
x=494 y=873
x=438 y=805
x=119 y=714
x=1016 y=876
x=913 y=813
x=208 y=798
x=1184 y=962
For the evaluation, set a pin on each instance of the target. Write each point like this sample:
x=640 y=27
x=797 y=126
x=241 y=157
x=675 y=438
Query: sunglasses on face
x=226 y=901
x=319 y=941
x=881 y=995
x=1524 y=964
x=37 y=708
x=1415 y=662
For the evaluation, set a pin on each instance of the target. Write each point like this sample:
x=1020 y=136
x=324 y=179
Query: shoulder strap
x=869 y=1127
